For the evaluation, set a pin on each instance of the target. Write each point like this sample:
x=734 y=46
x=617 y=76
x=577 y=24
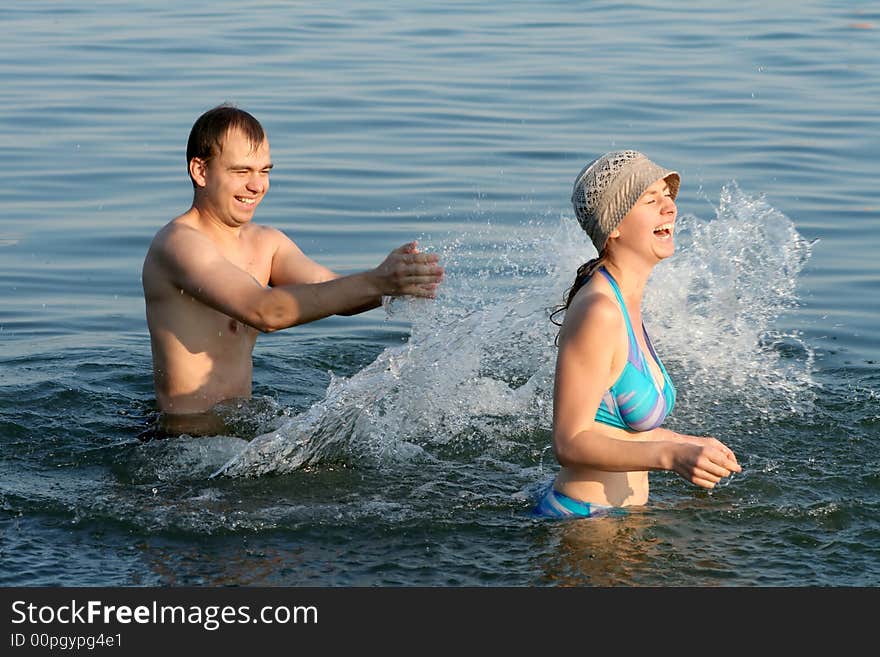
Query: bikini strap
x=654 y=353
x=633 y=345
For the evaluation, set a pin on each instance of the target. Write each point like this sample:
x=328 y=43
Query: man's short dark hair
x=210 y=129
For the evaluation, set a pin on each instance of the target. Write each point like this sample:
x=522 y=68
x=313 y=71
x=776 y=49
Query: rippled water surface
x=406 y=446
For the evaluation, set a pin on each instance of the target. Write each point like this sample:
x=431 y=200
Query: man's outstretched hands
x=408 y=271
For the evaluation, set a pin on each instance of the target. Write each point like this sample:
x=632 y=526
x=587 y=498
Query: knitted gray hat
x=608 y=187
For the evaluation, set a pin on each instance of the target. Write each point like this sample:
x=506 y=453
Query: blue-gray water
x=405 y=446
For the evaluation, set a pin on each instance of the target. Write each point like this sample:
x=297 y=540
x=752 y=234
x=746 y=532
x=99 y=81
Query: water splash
x=477 y=368
x=713 y=309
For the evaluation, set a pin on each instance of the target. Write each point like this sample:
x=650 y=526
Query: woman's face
x=649 y=226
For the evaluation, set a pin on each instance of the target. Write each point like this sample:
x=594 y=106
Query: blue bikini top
x=634 y=403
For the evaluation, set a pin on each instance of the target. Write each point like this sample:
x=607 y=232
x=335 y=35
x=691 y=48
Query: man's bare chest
x=256 y=261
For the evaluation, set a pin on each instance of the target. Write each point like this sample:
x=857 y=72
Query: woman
x=611 y=391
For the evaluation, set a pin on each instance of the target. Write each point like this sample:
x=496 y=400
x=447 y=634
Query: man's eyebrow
x=250 y=168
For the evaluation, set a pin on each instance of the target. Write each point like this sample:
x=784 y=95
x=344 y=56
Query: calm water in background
x=405 y=446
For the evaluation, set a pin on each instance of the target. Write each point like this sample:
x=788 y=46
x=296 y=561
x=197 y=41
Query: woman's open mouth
x=664 y=231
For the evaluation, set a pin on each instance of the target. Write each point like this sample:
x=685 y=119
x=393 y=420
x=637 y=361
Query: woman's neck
x=630 y=279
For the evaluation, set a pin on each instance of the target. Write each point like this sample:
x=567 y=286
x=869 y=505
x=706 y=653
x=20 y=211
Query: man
x=213 y=279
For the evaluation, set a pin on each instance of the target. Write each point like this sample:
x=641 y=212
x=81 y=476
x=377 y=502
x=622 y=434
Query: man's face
x=235 y=181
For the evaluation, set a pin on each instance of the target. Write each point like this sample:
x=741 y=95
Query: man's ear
x=197 y=170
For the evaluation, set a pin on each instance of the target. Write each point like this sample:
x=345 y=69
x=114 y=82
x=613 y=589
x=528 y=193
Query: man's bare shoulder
x=265 y=235
x=174 y=248
x=183 y=240
x=268 y=244
x=182 y=228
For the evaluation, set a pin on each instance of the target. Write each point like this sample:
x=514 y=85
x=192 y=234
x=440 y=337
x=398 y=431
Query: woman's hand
x=702 y=461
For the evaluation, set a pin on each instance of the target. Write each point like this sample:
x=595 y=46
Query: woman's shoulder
x=594 y=311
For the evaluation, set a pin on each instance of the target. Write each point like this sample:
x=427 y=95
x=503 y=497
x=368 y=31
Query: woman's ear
x=614 y=233
x=197 y=171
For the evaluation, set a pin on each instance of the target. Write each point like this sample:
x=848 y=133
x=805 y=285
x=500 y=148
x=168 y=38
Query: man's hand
x=407 y=271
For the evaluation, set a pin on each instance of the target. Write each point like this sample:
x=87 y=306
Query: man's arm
x=194 y=265
x=291 y=266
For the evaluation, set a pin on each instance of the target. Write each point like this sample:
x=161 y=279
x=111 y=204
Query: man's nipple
x=233 y=326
